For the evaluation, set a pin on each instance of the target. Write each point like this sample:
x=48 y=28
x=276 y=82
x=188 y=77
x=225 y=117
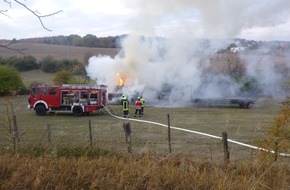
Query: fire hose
x=196 y=132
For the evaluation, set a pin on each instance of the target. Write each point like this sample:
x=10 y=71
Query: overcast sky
x=249 y=19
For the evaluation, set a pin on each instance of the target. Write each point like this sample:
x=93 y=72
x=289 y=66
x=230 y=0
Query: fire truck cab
x=76 y=99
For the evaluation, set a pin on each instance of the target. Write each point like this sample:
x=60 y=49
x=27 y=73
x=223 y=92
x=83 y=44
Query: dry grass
x=138 y=172
x=38 y=76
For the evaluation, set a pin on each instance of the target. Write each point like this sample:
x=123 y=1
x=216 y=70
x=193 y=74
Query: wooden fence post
x=276 y=151
x=8 y=114
x=15 y=134
x=127 y=129
x=169 y=133
x=226 y=148
x=90 y=132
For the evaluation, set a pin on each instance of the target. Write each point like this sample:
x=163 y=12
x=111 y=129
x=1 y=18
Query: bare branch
x=38 y=15
x=8 y=2
x=8 y=46
x=3 y=12
x=35 y=13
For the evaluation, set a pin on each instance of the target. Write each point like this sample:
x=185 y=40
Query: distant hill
x=59 y=52
x=81 y=48
x=88 y=40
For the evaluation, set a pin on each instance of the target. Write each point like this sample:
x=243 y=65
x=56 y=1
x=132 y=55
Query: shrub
x=29 y=63
x=63 y=77
x=79 y=68
x=249 y=86
x=278 y=134
x=10 y=80
x=25 y=63
x=65 y=64
x=12 y=61
x=49 y=65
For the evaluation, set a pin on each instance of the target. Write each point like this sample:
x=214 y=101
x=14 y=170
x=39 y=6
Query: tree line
x=47 y=64
x=88 y=40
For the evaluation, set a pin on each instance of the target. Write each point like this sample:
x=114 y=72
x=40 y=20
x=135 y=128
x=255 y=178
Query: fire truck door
x=53 y=97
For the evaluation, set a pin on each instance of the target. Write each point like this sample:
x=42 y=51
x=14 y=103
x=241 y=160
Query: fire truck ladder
x=83 y=86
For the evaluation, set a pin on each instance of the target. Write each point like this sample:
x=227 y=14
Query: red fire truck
x=76 y=99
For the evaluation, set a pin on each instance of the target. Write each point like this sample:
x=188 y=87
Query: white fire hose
x=196 y=132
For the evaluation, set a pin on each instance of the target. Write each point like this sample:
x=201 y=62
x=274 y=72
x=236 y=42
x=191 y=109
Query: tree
x=49 y=65
x=234 y=66
x=25 y=63
x=90 y=40
x=10 y=80
x=63 y=77
x=30 y=63
x=249 y=86
x=74 y=40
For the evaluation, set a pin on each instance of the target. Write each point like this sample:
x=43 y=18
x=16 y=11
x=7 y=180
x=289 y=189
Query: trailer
x=241 y=102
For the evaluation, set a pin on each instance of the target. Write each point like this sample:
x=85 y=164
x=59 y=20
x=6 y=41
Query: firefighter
x=64 y=98
x=143 y=104
x=125 y=106
x=122 y=99
x=138 y=105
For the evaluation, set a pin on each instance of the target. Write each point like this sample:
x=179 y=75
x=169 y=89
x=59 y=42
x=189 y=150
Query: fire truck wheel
x=40 y=110
x=78 y=111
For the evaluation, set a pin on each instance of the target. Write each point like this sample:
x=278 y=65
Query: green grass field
x=39 y=76
x=244 y=125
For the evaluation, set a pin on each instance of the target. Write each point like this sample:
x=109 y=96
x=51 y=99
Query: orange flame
x=121 y=82
x=121 y=79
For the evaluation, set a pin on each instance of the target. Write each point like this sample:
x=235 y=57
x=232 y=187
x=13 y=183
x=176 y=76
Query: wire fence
x=113 y=136
x=146 y=137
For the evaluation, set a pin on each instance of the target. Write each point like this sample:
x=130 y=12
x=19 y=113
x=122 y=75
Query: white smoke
x=270 y=72
x=174 y=66
x=206 y=18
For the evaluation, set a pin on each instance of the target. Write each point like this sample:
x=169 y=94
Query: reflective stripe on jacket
x=125 y=105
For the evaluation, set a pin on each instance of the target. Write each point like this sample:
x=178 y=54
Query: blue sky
x=250 y=19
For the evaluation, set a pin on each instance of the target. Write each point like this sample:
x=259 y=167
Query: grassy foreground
x=137 y=172
x=245 y=125
x=196 y=162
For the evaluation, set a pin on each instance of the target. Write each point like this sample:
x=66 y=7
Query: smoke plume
x=167 y=58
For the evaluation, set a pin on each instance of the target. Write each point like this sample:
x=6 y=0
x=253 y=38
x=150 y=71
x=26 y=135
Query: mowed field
x=244 y=125
x=59 y=52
